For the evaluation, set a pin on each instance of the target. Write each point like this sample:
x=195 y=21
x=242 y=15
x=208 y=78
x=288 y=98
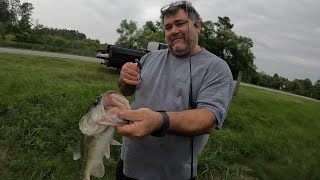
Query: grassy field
x=266 y=135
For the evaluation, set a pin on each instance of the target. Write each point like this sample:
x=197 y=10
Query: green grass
x=266 y=135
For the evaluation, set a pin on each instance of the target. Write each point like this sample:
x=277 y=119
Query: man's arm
x=187 y=123
x=192 y=122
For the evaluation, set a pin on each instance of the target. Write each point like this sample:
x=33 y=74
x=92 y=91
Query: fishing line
x=190 y=88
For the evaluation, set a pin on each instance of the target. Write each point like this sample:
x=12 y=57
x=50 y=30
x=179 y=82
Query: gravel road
x=48 y=54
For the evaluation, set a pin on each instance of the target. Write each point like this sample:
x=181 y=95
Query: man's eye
x=168 y=27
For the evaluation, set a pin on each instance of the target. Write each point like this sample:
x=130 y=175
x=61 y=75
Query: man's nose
x=175 y=30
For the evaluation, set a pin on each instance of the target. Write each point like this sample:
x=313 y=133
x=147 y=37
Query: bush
x=10 y=37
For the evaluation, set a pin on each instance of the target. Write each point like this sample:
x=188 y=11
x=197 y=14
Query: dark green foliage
x=25 y=13
x=303 y=87
x=221 y=40
x=5 y=14
x=9 y=10
x=137 y=38
x=16 y=31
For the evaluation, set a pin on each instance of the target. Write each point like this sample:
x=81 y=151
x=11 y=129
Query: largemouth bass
x=98 y=127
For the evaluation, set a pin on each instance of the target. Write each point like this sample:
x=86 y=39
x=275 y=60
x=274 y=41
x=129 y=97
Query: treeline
x=17 y=30
x=303 y=87
x=219 y=38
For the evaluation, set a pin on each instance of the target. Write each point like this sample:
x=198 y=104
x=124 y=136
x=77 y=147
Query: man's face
x=180 y=33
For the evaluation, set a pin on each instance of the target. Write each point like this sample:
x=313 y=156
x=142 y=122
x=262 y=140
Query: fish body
x=93 y=149
x=98 y=128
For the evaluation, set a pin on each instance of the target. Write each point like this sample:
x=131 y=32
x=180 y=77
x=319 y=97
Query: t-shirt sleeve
x=144 y=58
x=216 y=91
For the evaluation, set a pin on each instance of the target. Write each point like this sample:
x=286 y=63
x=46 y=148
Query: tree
x=219 y=39
x=295 y=87
x=14 y=10
x=5 y=15
x=315 y=93
x=25 y=14
x=150 y=32
x=224 y=23
x=9 y=10
x=207 y=35
x=3 y=30
x=127 y=31
x=307 y=87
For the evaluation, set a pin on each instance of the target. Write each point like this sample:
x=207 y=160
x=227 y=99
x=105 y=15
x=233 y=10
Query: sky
x=285 y=33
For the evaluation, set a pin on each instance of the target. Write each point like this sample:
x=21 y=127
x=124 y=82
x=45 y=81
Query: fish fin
x=107 y=152
x=76 y=155
x=98 y=170
x=76 y=151
x=114 y=142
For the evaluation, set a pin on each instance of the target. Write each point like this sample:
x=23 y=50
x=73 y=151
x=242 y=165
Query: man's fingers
x=130 y=115
x=128 y=130
x=130 y=76
x=130 y=69
x=131 y=82
x=140 y=123
x=132 y=72
x=125 y=130
x=131 y=131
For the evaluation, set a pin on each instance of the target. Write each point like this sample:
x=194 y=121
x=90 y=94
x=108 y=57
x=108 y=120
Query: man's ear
x=197 y=24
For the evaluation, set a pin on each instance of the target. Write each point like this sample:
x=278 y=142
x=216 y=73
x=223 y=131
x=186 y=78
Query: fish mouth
x=104 y=113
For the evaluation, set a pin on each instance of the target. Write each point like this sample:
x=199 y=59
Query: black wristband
x=165 y=125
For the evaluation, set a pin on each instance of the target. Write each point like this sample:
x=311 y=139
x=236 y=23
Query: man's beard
x=180 y=53
x=186 y=51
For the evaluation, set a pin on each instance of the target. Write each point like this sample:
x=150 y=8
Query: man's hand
x=144 y=122
x=129 y=73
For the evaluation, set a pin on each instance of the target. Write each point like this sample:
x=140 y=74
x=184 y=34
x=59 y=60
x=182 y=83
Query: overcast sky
x=285 y=33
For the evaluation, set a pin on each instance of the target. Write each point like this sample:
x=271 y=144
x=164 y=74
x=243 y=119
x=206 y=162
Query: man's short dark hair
x=173 y=8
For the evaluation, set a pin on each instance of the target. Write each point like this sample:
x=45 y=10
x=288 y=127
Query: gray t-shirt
x=166 y=87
